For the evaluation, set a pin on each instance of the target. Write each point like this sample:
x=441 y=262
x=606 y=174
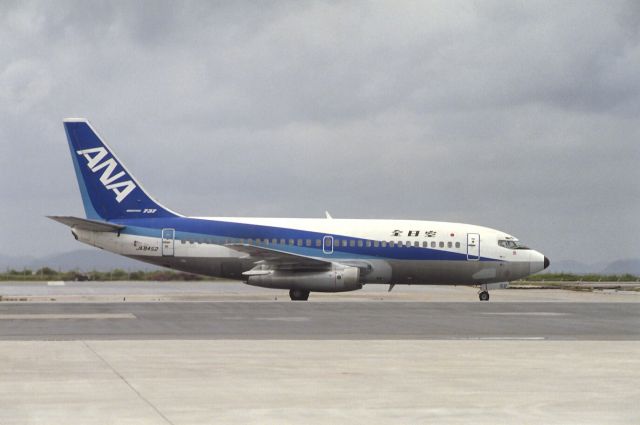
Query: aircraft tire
x=484 y=296
x=299 y=294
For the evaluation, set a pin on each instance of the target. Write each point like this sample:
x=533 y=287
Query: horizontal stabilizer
x=87 y=224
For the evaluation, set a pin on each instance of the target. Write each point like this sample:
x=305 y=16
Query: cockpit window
x=511 y=244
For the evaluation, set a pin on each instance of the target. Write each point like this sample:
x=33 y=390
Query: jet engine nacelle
x=339 y=279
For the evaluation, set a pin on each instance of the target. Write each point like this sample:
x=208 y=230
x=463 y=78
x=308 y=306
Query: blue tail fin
x=108 y=190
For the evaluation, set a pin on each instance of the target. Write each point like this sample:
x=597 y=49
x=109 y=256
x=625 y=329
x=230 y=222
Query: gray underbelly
x=408 y=272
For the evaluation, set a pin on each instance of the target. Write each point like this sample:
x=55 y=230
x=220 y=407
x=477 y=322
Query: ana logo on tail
x=96 y=161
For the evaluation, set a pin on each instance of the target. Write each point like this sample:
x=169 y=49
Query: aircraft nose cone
x=546 y=262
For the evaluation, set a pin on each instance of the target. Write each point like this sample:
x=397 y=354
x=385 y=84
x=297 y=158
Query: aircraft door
x=473 y=246
x=168 y=237
x=327 y=244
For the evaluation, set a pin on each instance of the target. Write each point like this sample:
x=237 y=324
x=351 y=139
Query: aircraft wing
x=86 y=224
x=281 y=260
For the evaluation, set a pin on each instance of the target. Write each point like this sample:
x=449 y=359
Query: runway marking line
x=532 y=313
x=506 y=338
x=284 y=319
x=91 y=316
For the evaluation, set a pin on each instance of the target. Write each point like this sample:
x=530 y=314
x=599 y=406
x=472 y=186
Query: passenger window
x=308 y=242
x=376 y=244
x=441 y=244
x=383 y=244
x=283 y=242
x=416 y=244
x=433 y=244
x=291 y=242
x=425 y=244
x=344 y=243
x=449 y=244
x=392 y=244
x=368 y=244
x=457 y=244
x=352 y=243
x=360 y=244
x=318 y=243
x=250 y=241
x=299 y=242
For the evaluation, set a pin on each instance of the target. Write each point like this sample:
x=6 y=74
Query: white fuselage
x=386 y=251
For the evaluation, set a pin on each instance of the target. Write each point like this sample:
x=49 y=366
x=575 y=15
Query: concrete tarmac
x=432 y=355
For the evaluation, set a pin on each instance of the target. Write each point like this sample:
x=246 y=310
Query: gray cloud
x=520 y=116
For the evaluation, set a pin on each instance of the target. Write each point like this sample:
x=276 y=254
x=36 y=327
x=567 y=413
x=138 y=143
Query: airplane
x=302 y=255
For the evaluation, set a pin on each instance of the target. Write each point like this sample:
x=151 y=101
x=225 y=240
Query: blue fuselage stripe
x=221 y=232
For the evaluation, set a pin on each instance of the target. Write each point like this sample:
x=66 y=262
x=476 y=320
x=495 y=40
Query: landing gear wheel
x=299 y=294
x=484 y=296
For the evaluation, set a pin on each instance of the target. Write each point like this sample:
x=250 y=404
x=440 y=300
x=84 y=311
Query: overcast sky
x=522 y=116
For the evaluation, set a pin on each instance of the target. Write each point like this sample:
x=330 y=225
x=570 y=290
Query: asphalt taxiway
x=258 y=320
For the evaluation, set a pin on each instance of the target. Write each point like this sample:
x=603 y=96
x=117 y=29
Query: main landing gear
x=483 y=294
x=299 y=294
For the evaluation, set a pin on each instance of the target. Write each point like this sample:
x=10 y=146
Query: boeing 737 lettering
x=302 y=255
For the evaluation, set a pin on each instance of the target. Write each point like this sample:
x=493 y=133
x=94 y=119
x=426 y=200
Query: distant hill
x=572 y=266
x=7 y=261
x=82 y=259
x=631 y=266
